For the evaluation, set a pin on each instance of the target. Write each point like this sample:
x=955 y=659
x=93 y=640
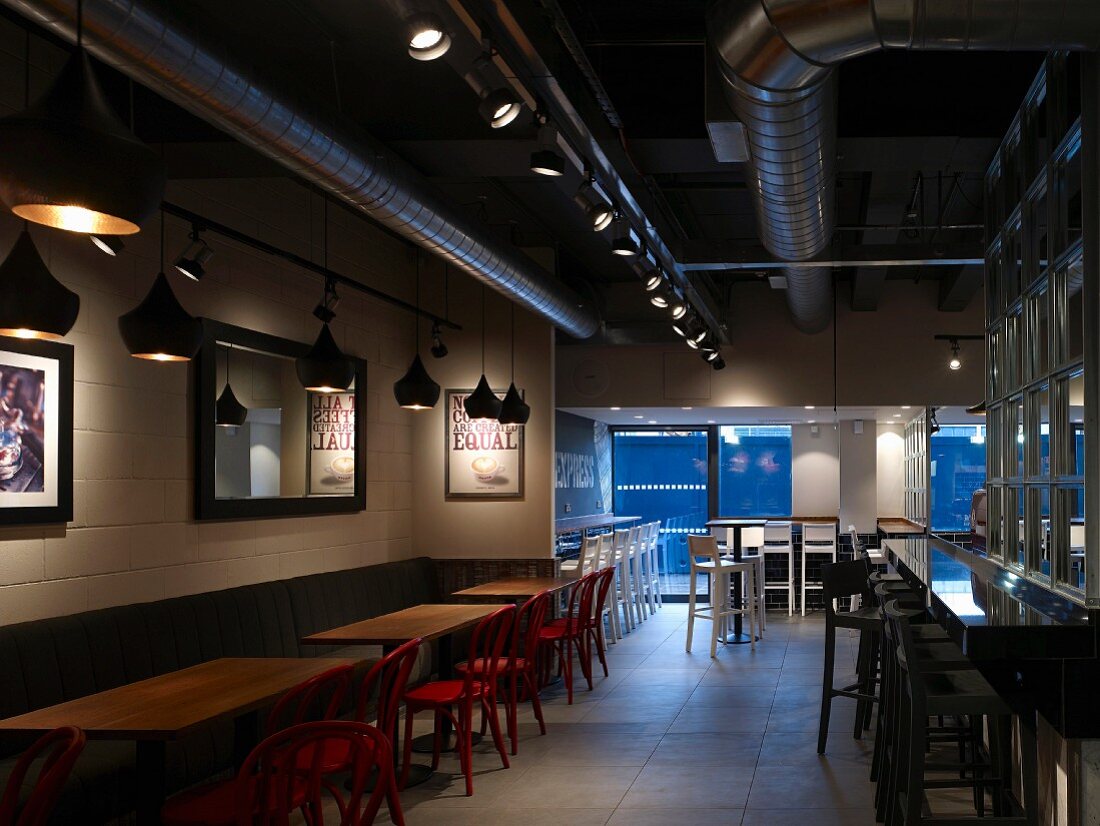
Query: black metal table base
x=424 y=743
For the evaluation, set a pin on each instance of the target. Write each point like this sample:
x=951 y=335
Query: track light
x=110 y=244
x=547 y=160
x=718 y=363
x=712 y=356
x=439 y=349
x=325 y=311
x=622 y=241
x=655 y=280
x=33 y=304
x=659 y=298
x=596 y=208
x=955 y=363
x=192 y=261
x=499 y=106
x=71 y=164
x=678 y=307
x=428 y=39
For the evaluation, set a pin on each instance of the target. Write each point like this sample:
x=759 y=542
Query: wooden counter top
x=596 y=520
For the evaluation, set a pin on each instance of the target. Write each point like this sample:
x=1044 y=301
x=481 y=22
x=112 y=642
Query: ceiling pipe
x=778 y=57
x=144 y=42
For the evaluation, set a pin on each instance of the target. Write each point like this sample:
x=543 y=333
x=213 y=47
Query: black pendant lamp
x=483 y=403
x=514 y=410
x=33 y=304
x=158 y=328
x=325 y=369
x=415 y=390
x=68 y=162
x=228 y=412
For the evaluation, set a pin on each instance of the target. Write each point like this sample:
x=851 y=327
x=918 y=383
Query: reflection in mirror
x=994 y=522
x=1076 y=431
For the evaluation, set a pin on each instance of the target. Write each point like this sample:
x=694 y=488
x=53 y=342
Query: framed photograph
x=484 y=459
x=36 y=432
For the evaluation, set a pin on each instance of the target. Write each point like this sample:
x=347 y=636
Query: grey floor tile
x=766 y=677
x=689 y=787
x=505 y=817
x=732 y=697
x=675 y=817
x=596 y=790
x=704 y=720
x=824 y=786
x=728 y=749
x=864 y=816
x=794 y=748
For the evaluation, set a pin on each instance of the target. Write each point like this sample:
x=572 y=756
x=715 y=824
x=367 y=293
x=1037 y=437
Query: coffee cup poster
x=331 y=443
x=484 y=457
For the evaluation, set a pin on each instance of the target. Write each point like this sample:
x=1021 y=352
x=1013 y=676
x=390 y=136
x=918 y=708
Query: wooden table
x=732 y=528
x=899 y=527
x=427 y=621
x=516 y=588
x=169 y=707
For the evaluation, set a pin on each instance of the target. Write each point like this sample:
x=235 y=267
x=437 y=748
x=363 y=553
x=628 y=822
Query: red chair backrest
x=487 y=644
x=525 y=640
x=605 y=579
x=387 y=680
x=326 y=691
x=61 y=747
x=267 y=795
x=582 y=601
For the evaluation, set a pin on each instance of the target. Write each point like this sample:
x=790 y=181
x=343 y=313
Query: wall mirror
x=275 y=449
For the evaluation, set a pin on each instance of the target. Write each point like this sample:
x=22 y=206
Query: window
x=958 y=469
x=754 y=475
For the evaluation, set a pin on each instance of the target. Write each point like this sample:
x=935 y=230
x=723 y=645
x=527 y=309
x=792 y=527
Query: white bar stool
x=819 y=539
x=720 y=610
x=621 y=561
x=778 y=542
x=605 y=557
x=753 y=538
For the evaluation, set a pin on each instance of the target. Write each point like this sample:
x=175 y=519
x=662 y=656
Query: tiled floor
x=675 y=738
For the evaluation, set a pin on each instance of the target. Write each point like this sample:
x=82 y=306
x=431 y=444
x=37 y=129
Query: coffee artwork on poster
x=484 y=457
x=331 y=443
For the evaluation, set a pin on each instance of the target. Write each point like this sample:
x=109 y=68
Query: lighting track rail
x=208 y=225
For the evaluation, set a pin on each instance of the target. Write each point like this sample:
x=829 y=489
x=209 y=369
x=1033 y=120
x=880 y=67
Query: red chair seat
x=441 y=692
x=215 y=805
x=335 y=755
x=505 y=665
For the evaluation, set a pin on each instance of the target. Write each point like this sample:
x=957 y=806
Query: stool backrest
x=525 y=639
x=605 y=552
x=632 y=539
x=704 y=548
x=622 y=540
x=777 y=533
x=901 y=635
x=752 y=537
x=857 y=546
x=386 y=681
x=654 y=533
x=61 y=748
x=487 y=644
x=589 y=555
x=841 y=580
x=819 y=533
x=318 y=698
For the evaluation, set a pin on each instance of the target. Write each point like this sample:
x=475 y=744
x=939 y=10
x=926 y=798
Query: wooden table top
x=517 y=586
x=428 y=622
x=172 y=705
x=899 y=526
x=737 y=522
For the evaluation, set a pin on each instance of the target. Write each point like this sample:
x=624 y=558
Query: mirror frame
x=205 y=394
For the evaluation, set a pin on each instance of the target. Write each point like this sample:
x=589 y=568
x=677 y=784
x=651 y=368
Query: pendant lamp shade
x=415 y=390
x=70 y=163
x=228 y=412
x=33 y=304
x=325 y=369
x=514 y=410
x=159 y=328
x=483 y=403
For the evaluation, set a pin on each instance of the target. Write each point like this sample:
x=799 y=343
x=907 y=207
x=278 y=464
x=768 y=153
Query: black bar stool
x=952 y=689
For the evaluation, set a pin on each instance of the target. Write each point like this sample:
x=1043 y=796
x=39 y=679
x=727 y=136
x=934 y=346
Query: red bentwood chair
x=486 y=645
x=580 y=629
x=385 y=682
x=519 y=667
x=62 y=747
x=213 y=803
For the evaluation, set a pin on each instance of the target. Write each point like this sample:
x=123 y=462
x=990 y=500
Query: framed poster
x=36 y=432
x=331 y=468
x=484 y=459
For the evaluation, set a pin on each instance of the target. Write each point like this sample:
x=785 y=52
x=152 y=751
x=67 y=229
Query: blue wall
x=576 y=469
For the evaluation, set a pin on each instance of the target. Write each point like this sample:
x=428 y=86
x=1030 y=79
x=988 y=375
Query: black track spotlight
x=681 y=328
x=110 y=244
x=33 y=304
x=711 y=355
x=596 y=208
x=622 y=238
x=71 y=164
x=228 y=412
x=678 y=307
x=654 y=280
x=159 y=328
x=325 y=311
x=718 y=363
x=439 y=349
x=499 y=106
x=192 y=261
x=428 y=38
x=659 y=298
x=325 y=369
x=547 y=160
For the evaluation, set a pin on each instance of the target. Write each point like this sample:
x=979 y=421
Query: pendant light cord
x=513 y=306
x=227 y=349
x=79 y=24
x=416 y=325
x=162 y=241
x=27 y=69
x=482 y=329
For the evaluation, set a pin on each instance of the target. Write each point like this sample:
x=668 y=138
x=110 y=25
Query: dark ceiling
x=917 y=130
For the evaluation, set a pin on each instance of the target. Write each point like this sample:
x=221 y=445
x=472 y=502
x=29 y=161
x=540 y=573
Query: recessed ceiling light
x=897 y=415
x=811 y=421
x=905 y=406
x=653 y=421
x=685 y=408
x=710 y=421
x=809 y=407
x=616 y=408
x=639 y=417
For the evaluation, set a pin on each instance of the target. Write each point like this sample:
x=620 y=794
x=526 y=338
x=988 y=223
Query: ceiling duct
x=777 y=58
x=144 y=42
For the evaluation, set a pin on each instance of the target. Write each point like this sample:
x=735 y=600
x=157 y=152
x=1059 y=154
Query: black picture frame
x=205 y=394
x=450 y=495
x=62 y=510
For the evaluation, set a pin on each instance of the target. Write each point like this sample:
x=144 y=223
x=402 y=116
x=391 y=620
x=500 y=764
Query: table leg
x=151 y=781
x=246 y=736
x=737 y=637
x=423 y=743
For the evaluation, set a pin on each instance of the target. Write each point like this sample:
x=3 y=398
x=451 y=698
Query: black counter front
x=1033 y=643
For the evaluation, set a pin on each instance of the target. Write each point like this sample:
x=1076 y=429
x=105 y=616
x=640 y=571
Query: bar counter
x=1038 y=647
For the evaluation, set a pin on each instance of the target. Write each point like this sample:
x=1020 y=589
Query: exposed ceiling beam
x=958 y=289
x=729 y=255
x=867 y=288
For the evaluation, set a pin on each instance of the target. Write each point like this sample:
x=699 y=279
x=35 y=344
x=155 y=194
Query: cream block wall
x=815 y=470
x=132 y=537
x=890 y=470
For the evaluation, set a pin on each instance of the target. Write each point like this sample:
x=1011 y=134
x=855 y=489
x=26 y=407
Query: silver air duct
x=777 y=57
x=198 y=73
